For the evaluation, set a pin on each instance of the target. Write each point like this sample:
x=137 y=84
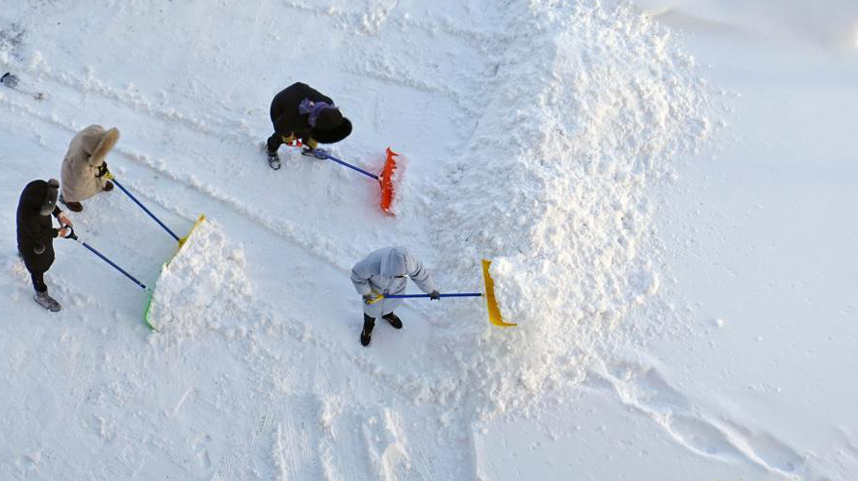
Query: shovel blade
x=386 y=181
x=494 y=312
x=199 y=221
x=147 y=313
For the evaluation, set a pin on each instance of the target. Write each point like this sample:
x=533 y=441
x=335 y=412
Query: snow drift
x=554 y=186
x=202 y=287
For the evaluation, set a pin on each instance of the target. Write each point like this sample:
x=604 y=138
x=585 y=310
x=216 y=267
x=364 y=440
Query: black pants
x=368 y=323
x=39 y=281
x=274 y=142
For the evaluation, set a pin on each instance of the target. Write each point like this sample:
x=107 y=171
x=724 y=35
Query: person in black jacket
x=300 y=112
x=36 y=234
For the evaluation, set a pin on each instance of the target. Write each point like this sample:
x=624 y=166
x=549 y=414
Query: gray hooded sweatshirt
x=384 y=271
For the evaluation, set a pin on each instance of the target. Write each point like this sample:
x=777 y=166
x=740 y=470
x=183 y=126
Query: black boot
x=366 y=333
x=393 y=319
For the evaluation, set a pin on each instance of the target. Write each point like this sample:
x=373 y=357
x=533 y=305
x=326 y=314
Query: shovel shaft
x=368 y=174
x=105 y=259
x=458 y=294
x=144 y=208
x=321 y=154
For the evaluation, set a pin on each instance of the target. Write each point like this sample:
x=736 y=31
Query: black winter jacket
x=284 y=110
x=35 y=231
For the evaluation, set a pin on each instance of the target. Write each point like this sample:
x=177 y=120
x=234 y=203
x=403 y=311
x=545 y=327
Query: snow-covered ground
x=666 y=188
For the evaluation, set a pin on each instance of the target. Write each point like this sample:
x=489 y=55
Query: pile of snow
x=553 y=187
x=202 y=288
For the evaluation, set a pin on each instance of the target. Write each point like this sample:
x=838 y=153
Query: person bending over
x=300 y=112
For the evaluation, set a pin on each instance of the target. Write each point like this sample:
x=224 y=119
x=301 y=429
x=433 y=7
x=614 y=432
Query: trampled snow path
x=268 y=243
x=359 y=439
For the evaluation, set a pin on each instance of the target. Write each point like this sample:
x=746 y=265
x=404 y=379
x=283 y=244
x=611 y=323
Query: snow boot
x=393 y=319
x=46 y=301
x=108 y=186
x=317 y=153
x=274 y=160
x=366 y=332
x=73 y=206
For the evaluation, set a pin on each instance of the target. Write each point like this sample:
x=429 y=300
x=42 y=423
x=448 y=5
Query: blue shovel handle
x=322 y=154
x=140 y=204
x=408 y=296
x=71 y=235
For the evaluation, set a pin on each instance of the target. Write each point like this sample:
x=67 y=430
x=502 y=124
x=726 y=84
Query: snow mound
x=202 y=288
x=554 y=187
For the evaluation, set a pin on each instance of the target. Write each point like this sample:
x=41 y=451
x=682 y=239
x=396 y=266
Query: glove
x=310 y=142
x=102 y=170
x=367 y=298
x=434 y=295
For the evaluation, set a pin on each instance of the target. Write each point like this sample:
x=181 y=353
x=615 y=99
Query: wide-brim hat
x=331 y=136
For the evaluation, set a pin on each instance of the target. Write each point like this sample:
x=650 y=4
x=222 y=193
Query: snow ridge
x=553 y=187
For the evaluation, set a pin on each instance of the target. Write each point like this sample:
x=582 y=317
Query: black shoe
x=365 y=337
x=274 y=160
x=317 y=153
x=393 y=319
x=366 y=332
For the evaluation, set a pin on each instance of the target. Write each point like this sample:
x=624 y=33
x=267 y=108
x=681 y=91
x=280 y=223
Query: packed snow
x=202 y=287
x=586 y=147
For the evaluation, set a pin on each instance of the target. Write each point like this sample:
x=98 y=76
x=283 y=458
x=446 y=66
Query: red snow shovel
x=384 y=178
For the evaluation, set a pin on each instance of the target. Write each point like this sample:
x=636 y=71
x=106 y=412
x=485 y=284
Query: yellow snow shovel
x=494 y=312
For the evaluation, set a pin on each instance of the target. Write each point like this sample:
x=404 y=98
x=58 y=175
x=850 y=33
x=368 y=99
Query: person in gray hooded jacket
x=384 y=272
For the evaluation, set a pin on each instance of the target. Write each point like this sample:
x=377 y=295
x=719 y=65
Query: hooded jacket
x=86 y=153
x=287 y=117
x=385 y=271
x=35 y=231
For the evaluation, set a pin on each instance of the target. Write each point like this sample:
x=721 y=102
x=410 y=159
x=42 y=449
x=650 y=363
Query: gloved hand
x=367 y=298
x=434 y=295
x=311 y=143
x=102 y=170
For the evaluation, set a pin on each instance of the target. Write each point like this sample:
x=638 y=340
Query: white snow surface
x=578 y=144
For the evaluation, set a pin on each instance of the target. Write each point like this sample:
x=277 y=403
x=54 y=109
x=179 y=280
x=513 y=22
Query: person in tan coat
x=84 y=168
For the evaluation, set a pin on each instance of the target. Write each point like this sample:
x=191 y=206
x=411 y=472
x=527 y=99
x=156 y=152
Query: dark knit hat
x=333 y=135
x=328 y=119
